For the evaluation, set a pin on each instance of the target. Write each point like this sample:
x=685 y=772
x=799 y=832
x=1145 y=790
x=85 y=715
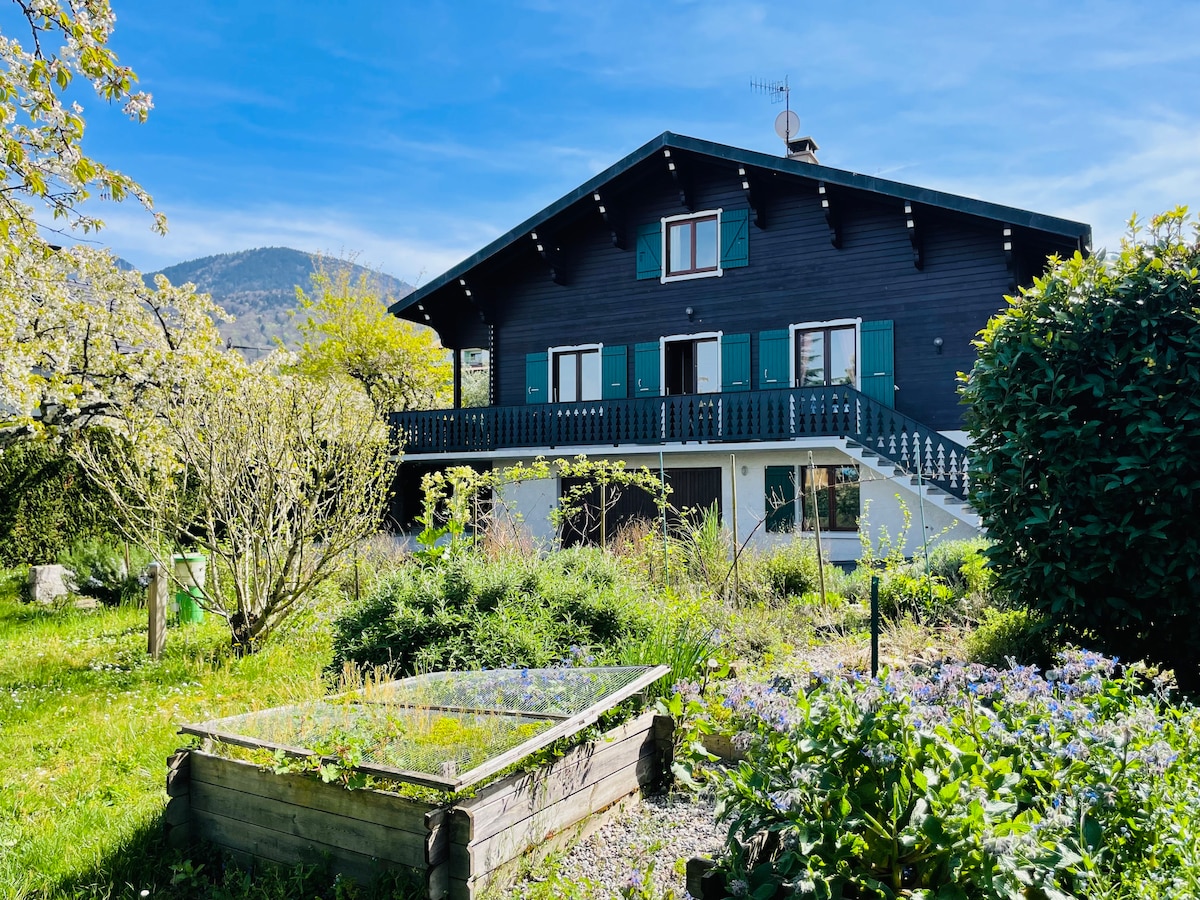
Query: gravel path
x=668 y=828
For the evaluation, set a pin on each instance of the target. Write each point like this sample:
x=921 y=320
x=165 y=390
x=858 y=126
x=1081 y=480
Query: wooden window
x=692 y=246
x=576 y=373
x=826 y=356
x=837 y=498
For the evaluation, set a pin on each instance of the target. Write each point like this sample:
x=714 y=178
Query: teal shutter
x=735 y=238
x=645 y=370
x=536 y=369
x=781 y=499
x=735 y=362
x=774 y=359
x=614 y=373
x=878 y=362
x=649 y=250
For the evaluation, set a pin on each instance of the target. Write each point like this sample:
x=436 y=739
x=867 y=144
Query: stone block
x=47 y=583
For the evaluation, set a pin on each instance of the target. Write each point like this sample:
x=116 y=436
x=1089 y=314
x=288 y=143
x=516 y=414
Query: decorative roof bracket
x=617 y=232
x=831 y=220
x=1010 y=260
x=474 y=300
x=685 y=197
x=914 y=235
x=550 y=255
x=752 y=199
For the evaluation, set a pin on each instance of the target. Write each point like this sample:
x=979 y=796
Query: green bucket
x=189 y=574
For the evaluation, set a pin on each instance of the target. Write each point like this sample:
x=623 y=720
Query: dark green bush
x=1085 y=418
x=48 y=503
x=469 y=612
x=1020 y=635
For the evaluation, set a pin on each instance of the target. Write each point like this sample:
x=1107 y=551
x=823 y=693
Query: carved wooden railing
x=773 y=415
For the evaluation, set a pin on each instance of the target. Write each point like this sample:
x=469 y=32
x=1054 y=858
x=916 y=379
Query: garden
x=986 y=760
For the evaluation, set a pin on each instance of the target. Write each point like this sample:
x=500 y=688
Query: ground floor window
x=790 y=492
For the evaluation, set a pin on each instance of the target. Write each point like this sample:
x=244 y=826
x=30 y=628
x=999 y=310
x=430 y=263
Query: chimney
x=803 y=150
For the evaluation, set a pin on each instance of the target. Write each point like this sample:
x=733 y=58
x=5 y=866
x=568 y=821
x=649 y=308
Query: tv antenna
x=787 y=123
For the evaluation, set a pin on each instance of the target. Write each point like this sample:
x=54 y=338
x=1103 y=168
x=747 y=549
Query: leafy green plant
x=965 y=782
x=789 y=570
x=102 y=570
x=48 y=500
x=1083 y=413
x=1020 y=635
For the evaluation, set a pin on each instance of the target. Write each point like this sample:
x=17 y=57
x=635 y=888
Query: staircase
x=920 y=485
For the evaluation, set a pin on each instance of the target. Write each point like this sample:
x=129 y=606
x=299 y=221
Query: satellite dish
x=787 y=125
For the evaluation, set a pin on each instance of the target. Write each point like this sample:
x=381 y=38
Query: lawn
x=87 y=721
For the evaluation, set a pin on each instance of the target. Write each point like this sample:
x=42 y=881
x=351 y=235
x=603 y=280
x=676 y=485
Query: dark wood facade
x=822 y=245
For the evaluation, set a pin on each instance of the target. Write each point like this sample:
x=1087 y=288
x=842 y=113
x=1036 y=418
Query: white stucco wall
x=531 y=502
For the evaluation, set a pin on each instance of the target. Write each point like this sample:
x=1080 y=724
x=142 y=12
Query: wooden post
x=156 y=603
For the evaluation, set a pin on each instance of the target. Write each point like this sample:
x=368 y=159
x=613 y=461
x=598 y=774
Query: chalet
x=758 y=327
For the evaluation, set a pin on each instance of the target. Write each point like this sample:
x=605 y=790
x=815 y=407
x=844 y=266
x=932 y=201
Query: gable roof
x=1076 y=233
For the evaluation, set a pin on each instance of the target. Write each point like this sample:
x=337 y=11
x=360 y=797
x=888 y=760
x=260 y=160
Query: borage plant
x=965 y=783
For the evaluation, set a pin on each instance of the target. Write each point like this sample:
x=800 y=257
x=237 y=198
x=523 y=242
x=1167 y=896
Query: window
x=692 y=365
x=691 y=245
x=576 y=373
x=826 y=356
x=836 y=492
x=696 y=245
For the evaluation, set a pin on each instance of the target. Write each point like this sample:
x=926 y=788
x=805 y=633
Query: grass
x=87 y=721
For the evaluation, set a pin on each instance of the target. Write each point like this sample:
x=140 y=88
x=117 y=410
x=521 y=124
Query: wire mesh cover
x=440 y=729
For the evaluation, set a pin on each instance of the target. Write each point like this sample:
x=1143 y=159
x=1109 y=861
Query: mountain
x=258 y=287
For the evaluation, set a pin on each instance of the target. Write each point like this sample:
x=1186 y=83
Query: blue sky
x=414 y=133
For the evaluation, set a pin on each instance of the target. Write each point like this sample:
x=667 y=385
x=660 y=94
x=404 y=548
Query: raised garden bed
x=455 y=849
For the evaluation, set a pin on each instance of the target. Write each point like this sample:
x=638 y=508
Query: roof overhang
x=458 y=280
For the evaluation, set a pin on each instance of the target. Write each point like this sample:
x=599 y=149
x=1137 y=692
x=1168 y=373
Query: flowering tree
x=79 y=338
x=348 y=332
x=40 y=133
x=275 y=476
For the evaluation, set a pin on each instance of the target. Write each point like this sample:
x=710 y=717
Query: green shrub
x=909 y=591
x=1017 y=635
x=962 y=566
x=1082 y=407
x=100 y=571
x=790 y=570
x=469 y=612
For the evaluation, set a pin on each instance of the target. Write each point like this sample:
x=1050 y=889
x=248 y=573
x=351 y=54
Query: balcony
x=772 y=415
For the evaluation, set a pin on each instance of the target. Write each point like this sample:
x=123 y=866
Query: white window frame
x=830 y=323
x=665 y=222
x=698 y=336
x=552 y=352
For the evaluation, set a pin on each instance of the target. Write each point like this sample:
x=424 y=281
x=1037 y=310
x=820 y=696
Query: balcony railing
x=772 y=415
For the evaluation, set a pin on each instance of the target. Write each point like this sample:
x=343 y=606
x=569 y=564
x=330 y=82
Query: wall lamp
x=690 y=312
x=937 y=343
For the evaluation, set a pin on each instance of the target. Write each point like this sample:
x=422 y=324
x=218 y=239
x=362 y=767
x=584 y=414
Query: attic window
x=691 y=245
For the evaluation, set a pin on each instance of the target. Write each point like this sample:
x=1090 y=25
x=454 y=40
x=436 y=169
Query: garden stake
x=662 y=477
x=874 y=626
x=816 y=524
x=737 y=588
